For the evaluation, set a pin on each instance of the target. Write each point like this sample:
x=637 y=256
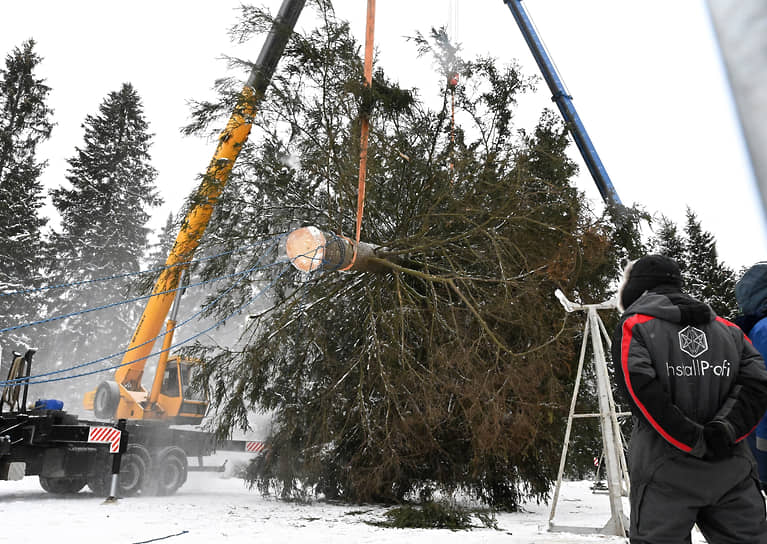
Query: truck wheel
x=133 y=471
x=106 y=400
x=170 y=471
x=61 y=486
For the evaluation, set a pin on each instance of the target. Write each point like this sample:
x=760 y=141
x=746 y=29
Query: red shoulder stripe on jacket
x=748 y=433
x=627 y=335
x=731 y=324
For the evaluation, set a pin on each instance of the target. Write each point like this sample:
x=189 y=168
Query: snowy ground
x=211 y=509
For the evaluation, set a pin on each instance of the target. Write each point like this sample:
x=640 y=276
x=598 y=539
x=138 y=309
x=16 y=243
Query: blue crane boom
x=565 y=104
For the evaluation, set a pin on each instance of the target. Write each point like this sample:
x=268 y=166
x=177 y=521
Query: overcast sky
x=646 y=79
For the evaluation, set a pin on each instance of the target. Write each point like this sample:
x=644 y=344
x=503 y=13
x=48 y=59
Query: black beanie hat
x=645 y=274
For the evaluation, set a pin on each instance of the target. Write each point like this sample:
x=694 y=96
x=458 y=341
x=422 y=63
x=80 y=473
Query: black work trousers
x=722 y=497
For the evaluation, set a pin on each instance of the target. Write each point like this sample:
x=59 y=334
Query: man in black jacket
x=697 y=388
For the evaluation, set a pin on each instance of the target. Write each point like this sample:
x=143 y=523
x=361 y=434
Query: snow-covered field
x=211 y=508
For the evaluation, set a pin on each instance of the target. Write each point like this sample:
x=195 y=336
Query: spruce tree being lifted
x=450 y=367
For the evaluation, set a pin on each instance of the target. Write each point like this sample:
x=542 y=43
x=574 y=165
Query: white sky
x=646 y=79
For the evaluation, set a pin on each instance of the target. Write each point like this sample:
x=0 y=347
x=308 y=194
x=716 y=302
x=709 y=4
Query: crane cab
x=177 y=400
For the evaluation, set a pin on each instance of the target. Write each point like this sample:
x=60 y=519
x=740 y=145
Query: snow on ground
x=211 y=509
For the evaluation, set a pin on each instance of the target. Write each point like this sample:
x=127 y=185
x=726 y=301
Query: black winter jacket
x=681 y=366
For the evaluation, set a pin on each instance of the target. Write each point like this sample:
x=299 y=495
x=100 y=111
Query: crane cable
x=452 y=19
x=365 y=126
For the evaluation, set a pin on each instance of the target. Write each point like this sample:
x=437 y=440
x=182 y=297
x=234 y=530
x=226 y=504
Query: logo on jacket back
x=692 y=341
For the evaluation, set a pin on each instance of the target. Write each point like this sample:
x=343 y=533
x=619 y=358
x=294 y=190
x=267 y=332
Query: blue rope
x=130 y=274
x=341 y=248
x=151 y=340
x=302 y=300
x=274 y=240
x=126 y=301
x=35 y=379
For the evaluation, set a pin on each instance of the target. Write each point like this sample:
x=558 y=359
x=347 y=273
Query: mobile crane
x=48 y=442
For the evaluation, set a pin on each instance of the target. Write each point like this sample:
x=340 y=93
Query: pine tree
x=157 y=254
x=160 y=249
x=104 y=214
x=705 y=276
x=25 y=122
x=453 y=369
x=667 y=241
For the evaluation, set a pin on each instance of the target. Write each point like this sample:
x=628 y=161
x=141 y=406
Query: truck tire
x=106 y=400
x=62 y=486
x=134 y=471
x=134 y=468
x=170 y=471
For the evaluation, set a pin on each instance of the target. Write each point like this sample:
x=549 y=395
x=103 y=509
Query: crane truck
x=59 y=447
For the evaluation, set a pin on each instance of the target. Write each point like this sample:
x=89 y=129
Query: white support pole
x=569 y=426
x=610 y=435
x=614 y=458
x=616 y=425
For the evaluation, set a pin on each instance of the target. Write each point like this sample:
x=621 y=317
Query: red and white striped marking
x=105 y=435
x=254 y=447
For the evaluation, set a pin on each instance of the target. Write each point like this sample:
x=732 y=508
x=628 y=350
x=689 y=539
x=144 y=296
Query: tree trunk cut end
x=310 y=249
x=305 y=248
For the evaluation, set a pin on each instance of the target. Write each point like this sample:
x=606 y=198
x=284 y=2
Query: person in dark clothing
x=751 y=294
x=697 y=388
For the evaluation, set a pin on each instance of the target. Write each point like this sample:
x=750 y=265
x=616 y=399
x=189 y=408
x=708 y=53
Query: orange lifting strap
x=365 y=128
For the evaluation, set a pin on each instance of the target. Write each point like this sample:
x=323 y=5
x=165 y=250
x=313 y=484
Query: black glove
x=720 y=439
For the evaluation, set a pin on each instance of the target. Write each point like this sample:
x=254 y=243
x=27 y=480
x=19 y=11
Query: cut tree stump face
x=310 y=249
x=305 y=248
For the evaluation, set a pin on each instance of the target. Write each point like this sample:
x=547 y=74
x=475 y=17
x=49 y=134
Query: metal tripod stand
x=615 y=460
